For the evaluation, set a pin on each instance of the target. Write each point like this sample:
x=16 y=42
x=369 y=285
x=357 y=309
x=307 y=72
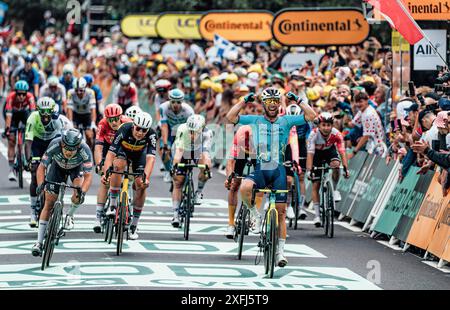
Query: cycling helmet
x=21 y=86
x=176 y=94
x=293 y=109
x=79 y=83
x=89 y=78
x=231 y=78
x=53 y=81
x=326 y=117
x=270 y=93
x=195 y=122
x=132 y=111
x=113 y=110
x=68 y=68
x=71 y=138
x=143 y=120
x=162 y=85
x=125 y=79
x=46 y=105
x=28 y=58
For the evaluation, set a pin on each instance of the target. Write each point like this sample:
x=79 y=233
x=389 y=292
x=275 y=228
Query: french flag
x=399 y=17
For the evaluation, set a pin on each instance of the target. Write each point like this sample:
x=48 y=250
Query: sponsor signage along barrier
x=402 y=195
x=345 y=185
x=440 y=244
x=375 y=180
x=324 y=26
x=179 y=26
x=139 y=26
x=359 y=185
x=245 y=26
x=425 y=58
x=293 y=61
x=430 y=212
x=411 y=208
x=421 y=10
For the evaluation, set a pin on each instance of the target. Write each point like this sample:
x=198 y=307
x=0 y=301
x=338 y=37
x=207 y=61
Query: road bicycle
x=19 y=154
x=268 y=241
x=186 y=208
x=123 y=212
x=55 y=227
x=296 y=197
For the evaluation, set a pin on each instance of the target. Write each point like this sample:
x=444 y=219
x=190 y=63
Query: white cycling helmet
x=143 y=120
x=195 y=122
x=162 y=85
x=176 y=94
x=125 y=79
x=79 y=83
x=46 y=105
x=68 y=68
x=53 y=81
x=293 y=109
x=270 y=93
x=132 y=111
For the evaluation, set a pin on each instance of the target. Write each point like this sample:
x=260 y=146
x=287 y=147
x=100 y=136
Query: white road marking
x=445 y=269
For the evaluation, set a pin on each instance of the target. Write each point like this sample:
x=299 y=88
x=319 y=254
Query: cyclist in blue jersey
x=98 y=95
x=67 y=78
x=271 y=133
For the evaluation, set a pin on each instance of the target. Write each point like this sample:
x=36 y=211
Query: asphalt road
x=161 y=259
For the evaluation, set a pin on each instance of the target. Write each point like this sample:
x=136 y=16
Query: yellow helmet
x=312 y=94
x=231 y=78
x=327 y=89
x=217 y=87
x=255 y=68
x=318 y=89
x=150 y=64
x=320 y=103
x=162 y=68
x=369 y=79
x=159 y=57
x=180 y=64
x=205 y=84
x=334 y=82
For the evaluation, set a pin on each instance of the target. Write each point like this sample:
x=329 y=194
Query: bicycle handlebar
x=200 y=166
x=109 y=172
x=63 y=184
x=271 y=190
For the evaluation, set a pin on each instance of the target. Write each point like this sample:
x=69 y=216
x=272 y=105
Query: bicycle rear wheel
x=187 y=212
x=273 y=242
x=20 y=168
x=110 y=231
x=265 y=236
x=244 y=214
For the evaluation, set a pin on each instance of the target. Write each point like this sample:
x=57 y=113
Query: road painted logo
x=178 y=275
x=152 y=246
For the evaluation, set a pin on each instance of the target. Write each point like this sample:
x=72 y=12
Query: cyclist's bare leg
x=138 y=200
x=202 y=177
x=119 y=165
x=11 y=149
x=101 y=198
x=178 y=181
x=33 y=186
x=316 y=197
x=45 y=215
x=336 y=172
x=281 y=208
x=233 y=200
x=246 y=192
x=75 y=198
x=89 y=137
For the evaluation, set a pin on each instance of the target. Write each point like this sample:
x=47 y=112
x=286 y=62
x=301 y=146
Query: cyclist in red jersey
x=106 y=130
x=125 y=93
x=321 y=147
x=19 y=104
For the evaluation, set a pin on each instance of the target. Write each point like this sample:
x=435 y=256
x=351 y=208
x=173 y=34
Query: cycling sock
x=316 y=209
x=114 y=195
x=41 y=232
x=33 y=201
x=258 y=201
x=231 y=212
x=136 y=216
x=201 y=185
x=73 y=209
x=11 y=165
x=175 y=205
x=281 y=243
x=99 y=210
x=302 y=202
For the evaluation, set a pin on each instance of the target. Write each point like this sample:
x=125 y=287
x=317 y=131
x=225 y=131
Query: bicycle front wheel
x=330 y=213
x=273 y=242
x=187 y=214
x=20 y=169
x=121 y=222
x=243 y=222
x=52 y=229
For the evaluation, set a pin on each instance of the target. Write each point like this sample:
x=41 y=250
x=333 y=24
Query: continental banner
x=422 y=10
x=440 y=244
x=375 y=179
x=324 y=26
x=430 y=212
x=345 y=185
x=139 y=26
x=411 y=208
x=359 y=185
x=179 y=26
x=402 y=195
x=245 y=26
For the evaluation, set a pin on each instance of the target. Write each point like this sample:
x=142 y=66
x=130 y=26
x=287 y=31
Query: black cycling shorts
x=82 y=120
x=57 y=174
x=322 y=157
x=241 y=165
x=39 y=146
x=18 y=117
x=137 y=159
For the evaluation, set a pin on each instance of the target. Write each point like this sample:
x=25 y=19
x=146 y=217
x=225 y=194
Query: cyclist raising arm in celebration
x=136 y=143
x=65 y=157
x=322 y=144
x=270 y=135
x=193 y=138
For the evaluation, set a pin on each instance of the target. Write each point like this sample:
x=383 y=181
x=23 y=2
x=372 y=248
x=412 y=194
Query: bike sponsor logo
x=254 y=26
x=320 y=27
x=170 y=275
x=179 y=26
x=422 y=10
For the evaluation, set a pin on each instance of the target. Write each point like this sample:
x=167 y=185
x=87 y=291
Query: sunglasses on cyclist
x=21 y=94
x=175 y=102
x=113 y=119
x=46 y=112
x=144 y=130
x=271 y=101
x=70 y=148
